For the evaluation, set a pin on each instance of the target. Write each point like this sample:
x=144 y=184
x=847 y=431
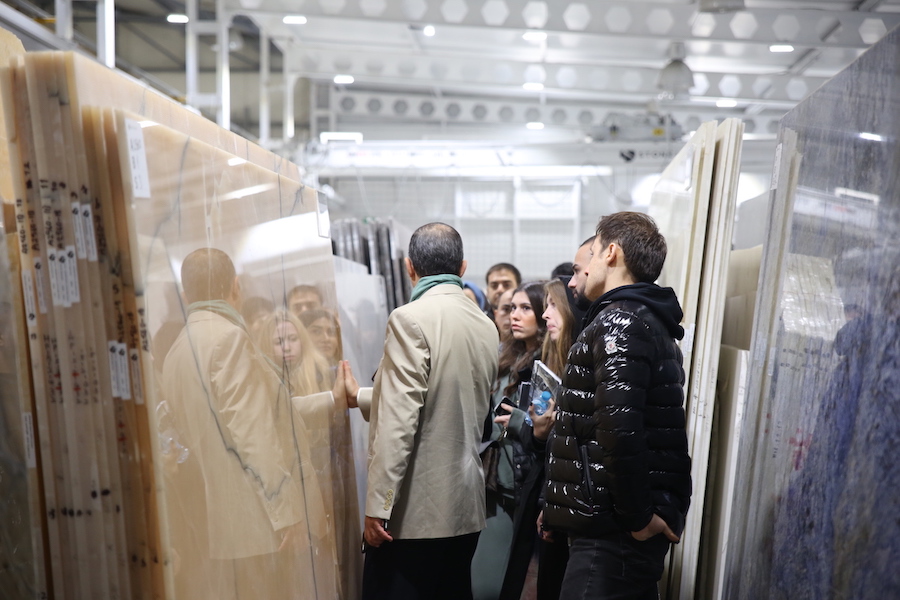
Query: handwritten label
x=28 y=292
x=72 y=276
x=90 y=236
x=137 y=158
x=135 y=360
x=776 y=169
x=111 y=347
x=57 y=288
x=28 y=439
x=79 y=230
x=39 y=284
x=122 y=370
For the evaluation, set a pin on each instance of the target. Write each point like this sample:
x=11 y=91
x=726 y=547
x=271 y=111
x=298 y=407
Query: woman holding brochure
x=501 y=560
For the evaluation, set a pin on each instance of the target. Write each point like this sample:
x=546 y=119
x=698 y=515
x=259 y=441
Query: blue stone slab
x=817 y=513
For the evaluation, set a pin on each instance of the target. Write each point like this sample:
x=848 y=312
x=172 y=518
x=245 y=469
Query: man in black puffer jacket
x=619 y=472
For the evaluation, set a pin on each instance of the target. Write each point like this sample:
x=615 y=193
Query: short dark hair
x=505 y=267
x=436 y=249
x=304 y=288
x=587 y=242
x=642 y=244
x=562 y=270
x=207 y=274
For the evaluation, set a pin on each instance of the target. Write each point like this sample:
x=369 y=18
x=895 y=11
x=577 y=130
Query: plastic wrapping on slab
x=258 y=482
x=817 y=484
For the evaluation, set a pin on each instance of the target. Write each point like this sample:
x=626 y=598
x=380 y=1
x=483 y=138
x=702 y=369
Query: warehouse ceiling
x=471 y=68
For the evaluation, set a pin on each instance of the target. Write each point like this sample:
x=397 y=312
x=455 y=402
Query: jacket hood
x=662 y=301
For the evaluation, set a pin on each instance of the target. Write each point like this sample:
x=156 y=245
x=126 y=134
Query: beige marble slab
x=181 y=194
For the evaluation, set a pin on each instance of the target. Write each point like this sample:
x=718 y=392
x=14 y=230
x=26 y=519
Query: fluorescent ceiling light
x=781 y=48
x=177 y=18
x=341 y=136
x=294 y=20
x=532 y=86
x=534 y=36
x=726 y=103
x=428 y=31
x=872 y=137
x=235 y=161
x=534 y=125
x=343 y=79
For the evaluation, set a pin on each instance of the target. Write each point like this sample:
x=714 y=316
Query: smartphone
x=500 y=412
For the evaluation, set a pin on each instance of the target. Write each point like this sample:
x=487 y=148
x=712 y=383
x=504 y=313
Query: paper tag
x=777 y=168
x=122 y=370
x=28 y=440
x=135 y=360
x=53 y=271
x=687 y=342
x=90 y=236
x=137 y=157
x=39 y=284
x=79 y=229
x=28 y=292
x=72 y=276
x=113 y=376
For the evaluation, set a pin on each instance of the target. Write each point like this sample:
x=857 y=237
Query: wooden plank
x=75 y=368
x=42 y=339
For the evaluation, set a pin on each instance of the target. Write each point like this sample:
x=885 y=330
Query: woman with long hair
x=514 y=437
x=305 y=371
x=284 y=339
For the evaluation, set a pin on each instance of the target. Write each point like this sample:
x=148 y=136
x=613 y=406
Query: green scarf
x=221 y=308
x=428 y=282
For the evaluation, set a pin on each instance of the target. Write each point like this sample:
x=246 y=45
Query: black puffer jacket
x=621 y=421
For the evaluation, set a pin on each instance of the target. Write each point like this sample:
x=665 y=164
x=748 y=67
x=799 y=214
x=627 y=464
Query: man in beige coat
x=246 y=518
x=425 y=500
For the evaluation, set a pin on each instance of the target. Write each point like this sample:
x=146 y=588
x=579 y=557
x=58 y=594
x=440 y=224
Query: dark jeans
x=614 y=567
x=420 y=569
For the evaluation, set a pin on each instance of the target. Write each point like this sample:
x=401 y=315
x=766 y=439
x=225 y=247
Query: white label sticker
x=72 y=276
x=28 y=292
x=122 y=370
x=79 y=229
x=28 y=439
x=39 y=284
x=90 y=236
x=134 y=356
x=55 y=282
x=137 y=157
x=776 y=169
x=112 y=346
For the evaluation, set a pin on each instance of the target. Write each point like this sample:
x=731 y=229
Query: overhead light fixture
x=341 y=136
x=721 y=5
x=726 y=103
x=534 y=125
x=343 y=79
x=294 y=20
x=872 y=137
x=428 y=31
x=533 y=86
x=676 y=78
x=235 y=161
x=781 y=48
x=177 y=18
x=534 y=36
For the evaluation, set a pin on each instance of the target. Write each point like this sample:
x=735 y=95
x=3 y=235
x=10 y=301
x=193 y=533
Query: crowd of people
x=472 y=492
x=587 y=494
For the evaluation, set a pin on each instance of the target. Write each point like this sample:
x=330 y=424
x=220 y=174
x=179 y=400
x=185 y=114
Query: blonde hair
x=553 y=354
x=311 y=374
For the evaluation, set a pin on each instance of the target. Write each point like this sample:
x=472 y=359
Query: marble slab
x=819 y=487
x=183 y=194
